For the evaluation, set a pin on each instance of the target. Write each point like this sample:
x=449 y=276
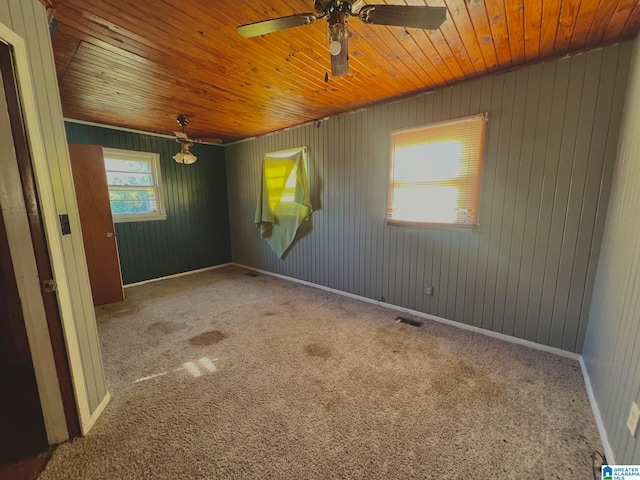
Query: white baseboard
x=151 y=280
x=464 y=326
x=608 y=451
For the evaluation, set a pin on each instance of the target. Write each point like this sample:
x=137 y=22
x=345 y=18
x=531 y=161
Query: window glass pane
x=429 y=162
x=126 y=207
x=426 y=204
x=131 y=166
x=124 y=201
x=132 y=179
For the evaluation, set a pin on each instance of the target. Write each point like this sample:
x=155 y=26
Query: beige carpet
x=266 y=379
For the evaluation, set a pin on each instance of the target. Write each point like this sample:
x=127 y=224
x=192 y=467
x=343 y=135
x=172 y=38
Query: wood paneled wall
x=196 y=232
x=528 y=270
x=612 y=346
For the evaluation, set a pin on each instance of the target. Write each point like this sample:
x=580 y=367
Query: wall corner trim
x=608 y=451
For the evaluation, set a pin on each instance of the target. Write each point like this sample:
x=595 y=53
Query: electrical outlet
x=632 y=422
x=429 y=291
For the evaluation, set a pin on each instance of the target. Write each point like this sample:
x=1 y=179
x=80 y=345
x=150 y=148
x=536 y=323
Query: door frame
x=41 y=252
x=37 y=328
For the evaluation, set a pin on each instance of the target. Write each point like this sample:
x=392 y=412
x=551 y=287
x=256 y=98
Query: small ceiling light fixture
x=184 y=156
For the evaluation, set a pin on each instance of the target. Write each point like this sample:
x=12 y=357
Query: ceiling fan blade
x=209 y=140
x=275 y=25
x=340 y=62
x=411 y=16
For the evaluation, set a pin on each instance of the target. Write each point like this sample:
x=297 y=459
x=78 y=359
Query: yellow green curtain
x=284 y=201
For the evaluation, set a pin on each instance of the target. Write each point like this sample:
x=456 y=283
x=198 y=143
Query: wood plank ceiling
x=140 y=64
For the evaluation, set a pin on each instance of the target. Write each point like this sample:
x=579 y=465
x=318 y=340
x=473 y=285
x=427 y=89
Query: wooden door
x=92 y=193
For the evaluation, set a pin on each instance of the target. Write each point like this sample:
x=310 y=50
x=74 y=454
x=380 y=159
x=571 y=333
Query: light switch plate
x=634 y=416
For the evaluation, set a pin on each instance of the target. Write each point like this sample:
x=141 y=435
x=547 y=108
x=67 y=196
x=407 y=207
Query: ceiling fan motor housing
x=183 y=120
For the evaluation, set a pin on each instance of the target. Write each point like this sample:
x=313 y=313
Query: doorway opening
x=23 y=432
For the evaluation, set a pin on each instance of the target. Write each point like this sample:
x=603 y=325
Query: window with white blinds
x=435 y=172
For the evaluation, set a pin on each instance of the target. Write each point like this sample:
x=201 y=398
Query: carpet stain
x=395 y=339
x=164 y=328
x=207 y=338
x=269 y=314
x=466 y=383
x=317 y=350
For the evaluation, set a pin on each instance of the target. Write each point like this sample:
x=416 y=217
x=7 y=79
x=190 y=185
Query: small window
x=135 y=185
x=435 y=173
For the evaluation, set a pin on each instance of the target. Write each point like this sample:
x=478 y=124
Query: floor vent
x=409 y=321
x=253 y=274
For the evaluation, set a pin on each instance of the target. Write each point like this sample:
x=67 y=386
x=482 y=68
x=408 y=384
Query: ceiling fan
x=337 y=12
x=184 y=155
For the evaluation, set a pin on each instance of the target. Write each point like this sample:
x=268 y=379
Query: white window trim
x=154 y=160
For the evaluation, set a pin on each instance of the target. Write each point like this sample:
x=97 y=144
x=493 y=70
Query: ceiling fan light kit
x=337 y=13
x=184 y=156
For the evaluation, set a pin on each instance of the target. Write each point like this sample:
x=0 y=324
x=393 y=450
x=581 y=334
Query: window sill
x=138 y=218
x=436 y=226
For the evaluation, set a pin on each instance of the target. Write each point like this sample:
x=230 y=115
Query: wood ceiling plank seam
x=303 y=83
x=480 y=21
x=632 y=25
x=515 y=22
x=550 y=20
x=162 y=51
x=108 y=25
x=618 y=20
x=604 y=14
x=418 y=44
x=382 y=35
x=466 y=29
x=583 y=23
x=321 y=66
x=417 y=52
x=359 y=61
x=532 y=28
x=324 y=48
x=356 y=83
x=497 y=17
x=225 y=136
x=303 y=120
x=450 y=35
x=566 y=23
x=159 y=76
x=109 y=95
x=363 y=45
x=398 y=53
x=443 y=61
x=62 y=65
x=142 y=105
x=441 y=73
x=449 y=64
x=405 y=38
